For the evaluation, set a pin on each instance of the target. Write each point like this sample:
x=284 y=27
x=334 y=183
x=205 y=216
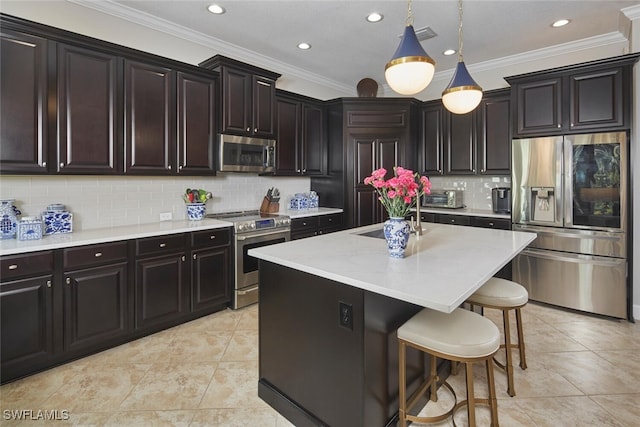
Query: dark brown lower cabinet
x=315 y=225
x=59 y=305
x=95 y=306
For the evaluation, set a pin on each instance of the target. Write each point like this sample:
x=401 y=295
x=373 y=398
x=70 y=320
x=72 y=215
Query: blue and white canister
x=8 y=219
x=196 y=211
x=30 y=228
x=396 y=231
x=57 y=220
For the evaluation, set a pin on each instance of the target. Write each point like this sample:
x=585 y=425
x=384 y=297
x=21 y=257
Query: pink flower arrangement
x=399 y=193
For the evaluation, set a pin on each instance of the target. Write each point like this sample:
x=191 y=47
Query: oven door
x=246 y=284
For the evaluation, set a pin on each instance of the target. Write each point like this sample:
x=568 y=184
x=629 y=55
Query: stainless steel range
x=251 y=229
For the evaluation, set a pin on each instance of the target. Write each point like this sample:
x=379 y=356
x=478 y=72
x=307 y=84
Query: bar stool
x=461 y=336
x=505 y=295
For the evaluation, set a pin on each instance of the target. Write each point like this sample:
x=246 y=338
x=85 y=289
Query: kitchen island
x=330 y=306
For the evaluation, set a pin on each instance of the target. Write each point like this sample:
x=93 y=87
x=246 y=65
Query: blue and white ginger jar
x=396 y=231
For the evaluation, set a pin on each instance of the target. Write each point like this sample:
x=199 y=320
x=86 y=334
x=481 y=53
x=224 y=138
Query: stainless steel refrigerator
x=573 y=192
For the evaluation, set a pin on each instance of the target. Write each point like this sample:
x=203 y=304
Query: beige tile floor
x=582 y=371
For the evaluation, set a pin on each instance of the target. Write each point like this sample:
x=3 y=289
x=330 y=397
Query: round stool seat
x=498 y=292
x=461 y=333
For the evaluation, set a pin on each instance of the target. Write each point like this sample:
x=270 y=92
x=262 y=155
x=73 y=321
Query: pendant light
x=410 y=70
x=462 y=94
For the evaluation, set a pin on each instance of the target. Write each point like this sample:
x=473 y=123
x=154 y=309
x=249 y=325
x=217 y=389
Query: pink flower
x=399 y=193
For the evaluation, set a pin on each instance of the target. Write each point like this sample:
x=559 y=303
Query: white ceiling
x=346 y=48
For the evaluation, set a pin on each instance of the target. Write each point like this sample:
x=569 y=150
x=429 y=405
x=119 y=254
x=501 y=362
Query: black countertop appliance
x=501 y=199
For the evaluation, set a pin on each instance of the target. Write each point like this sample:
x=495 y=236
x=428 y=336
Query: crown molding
x=229 y=49
x=218 y=46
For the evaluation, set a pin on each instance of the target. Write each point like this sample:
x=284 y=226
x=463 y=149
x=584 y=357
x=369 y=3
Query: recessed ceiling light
x=560 y=23
x=304 y=46
x=216 y=9
x=375 y=17
x=449 y=52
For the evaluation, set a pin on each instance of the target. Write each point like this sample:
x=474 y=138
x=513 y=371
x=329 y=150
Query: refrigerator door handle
x=575 y=258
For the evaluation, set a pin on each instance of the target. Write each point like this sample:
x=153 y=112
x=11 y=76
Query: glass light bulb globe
x=409 y=78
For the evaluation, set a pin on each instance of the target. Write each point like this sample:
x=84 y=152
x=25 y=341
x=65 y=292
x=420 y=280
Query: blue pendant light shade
x=410 y=70
x=462 y=94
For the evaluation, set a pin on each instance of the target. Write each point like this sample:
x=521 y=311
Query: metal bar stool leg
x=402 y=379
x=507 y=347
x=523 y=358
x=493 y=403
x=471 y=401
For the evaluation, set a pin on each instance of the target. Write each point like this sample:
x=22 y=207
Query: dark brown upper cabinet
x=196 y=124
x=300 y=134
x=149 y=118
x=476 y=143
x=592 y=96
x=248 y=97
x=89 y=141
x=23 y=102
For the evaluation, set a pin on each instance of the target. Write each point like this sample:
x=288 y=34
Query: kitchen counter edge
x=304 y=213
x=466 y=212
x=104 y=235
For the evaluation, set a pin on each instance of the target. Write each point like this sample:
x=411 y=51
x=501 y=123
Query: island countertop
x=441 y=268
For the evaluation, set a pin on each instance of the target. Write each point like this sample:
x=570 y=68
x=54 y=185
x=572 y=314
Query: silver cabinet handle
x=61 y=164
x=244 y=292
x=48 y=283
x=68 y=280
x=13 y=267
x=162 y=245
x=180 y=167
x=559 y=126
x=44 y=164
x=97 y=254
x=255 y=129
x=213 y=236
x=248 y=129
x=169 y=167
x=490 y=224
x=184 y=258
x=195 y=256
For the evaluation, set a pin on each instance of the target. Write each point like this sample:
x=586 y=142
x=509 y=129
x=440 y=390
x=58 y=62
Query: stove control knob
x=241 y=227
x=252 y=225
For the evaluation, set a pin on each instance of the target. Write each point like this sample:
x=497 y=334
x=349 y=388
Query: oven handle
x=272 y=233
x=248 y=291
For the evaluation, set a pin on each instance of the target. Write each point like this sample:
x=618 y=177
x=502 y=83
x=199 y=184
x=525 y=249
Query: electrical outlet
x=346 y=315
x=166 y=216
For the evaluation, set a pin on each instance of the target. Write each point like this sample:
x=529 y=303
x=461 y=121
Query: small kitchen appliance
x=501 y=200
x=251 y=229
x=450 y=199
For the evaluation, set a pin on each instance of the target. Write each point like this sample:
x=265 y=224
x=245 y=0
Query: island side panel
x=304 y=351
x=315 y=371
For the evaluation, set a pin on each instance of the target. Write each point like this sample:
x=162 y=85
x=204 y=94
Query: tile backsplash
x=477 y=190
x=105 y=201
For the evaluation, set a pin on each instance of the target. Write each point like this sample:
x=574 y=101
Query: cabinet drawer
x=330 y=222
x=210 y=238
x=159 y=245
x=497 y=223
x=26 y=264
x=95 y=254
x=454 y=219
x=307 y=223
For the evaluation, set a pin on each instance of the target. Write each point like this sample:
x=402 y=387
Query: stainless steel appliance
x=451 y=199
x=572 y=191
x=501 y=200
x=251 y=229
x=244 y=154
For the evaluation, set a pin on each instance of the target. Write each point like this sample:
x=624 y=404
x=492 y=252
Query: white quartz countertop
x=466 y=212
x=304 y=213
x=442 y=267
x=103 y=235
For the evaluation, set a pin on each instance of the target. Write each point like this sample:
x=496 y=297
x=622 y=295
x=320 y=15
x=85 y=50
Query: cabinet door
x=314 y=150
x=26 y=326
x=95 y=306
x=494 y=140
x=288 y=131
x=23 y=103
x=236 y=98
x=596 y=100
x=150 y=118
x=210 y=281
x=161 y=292
x=538 y=107
x=367 y=209
x=196 y=124
x=264 y=95
x=460 y=153
x=89 y=123
x=432 y=140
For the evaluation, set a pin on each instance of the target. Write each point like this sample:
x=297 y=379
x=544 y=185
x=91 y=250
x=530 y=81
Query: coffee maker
x=501 y=200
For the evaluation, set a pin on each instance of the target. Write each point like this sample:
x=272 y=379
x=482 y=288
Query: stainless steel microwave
x=451 y=199
x=246 y=154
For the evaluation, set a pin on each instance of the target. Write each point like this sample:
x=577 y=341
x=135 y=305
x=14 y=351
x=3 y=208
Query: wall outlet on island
x=166 y=216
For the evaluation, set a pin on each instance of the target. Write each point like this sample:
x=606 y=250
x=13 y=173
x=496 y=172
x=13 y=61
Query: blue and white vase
x=396 y=231
x=8 y=219
x=196 y=211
